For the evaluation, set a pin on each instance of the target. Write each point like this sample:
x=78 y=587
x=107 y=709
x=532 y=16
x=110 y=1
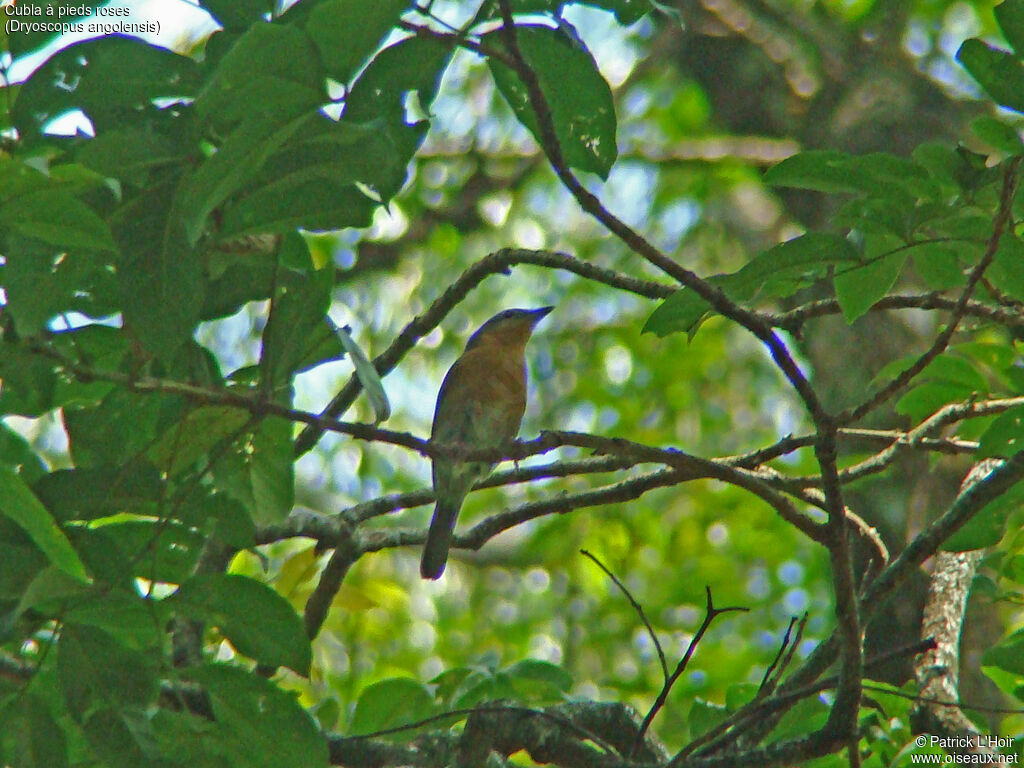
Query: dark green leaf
x=391 y=703
x=923 y=400
x=858 y=289
x=259 y=622
x=16 y=453
x=580 y=101
x=539 y=681
x=956 y=370
x=57 y=218
x=273 y=65
x=20 y=563
x=346 y=32
x=237 y=160
x=816 y=170
x=238 y=14
x=787 y=266
x=997 y=134
x=108 y=78
x=259 y=471
x=1008 y=654
x=938 y=264
x=29 y=382
x=18 y=503
x=411 y=66
x=38 y=741
x=115 y=431
x=158 y=269
x=97 y=670
x=998 y=72
x=1007 y=269
x=1005 y=436
x=121 y=738
x=160 y=551
x=90 y=492
x=705 y=715
x=129 y=153
x=1010 y=17
x=318 y=205
x=134 y=620
x=297 y=311
x=254 y=715
x=180 y=447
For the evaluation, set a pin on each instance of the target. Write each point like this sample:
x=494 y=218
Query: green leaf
x=367 y=375
x=999 y=73
x=121 y=738
x=580 y=101
x=682 y=312
x=997 y=134
x=134 y=620
x=954 y=369
x=90 y=492
x=790 y=265
x=238 y=14
x=539 y=682
x=261 y=726
x=346 y=32
x=1007 y=270
x=391 y=703
x=57 y=218
x=48 y=590
x=158 y=269
x=29 y=382
x=410 y=67
x=236 y=162
x=987 y=527
x=1005 y=435
x=317 y=206
x=257 y=621
x=938 y=264
x=858 y=289
x=113 y=432
x=1008 y=654
x=274 y=65
x=96 y=670
x=705 y=715
x=260 y=473
x=779 y=270
x=1010 y=17
x=16 y=453
x=180 y=447
x=297 y=311
x=108 y=78
x=22 y=563
x=163 y=551
x=37 y=739
x=816 y=170
x=923 y=400
x=129 y=153
x=18 y=503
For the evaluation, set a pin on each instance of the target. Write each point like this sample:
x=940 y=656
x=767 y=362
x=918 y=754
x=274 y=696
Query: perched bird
x=480 y=405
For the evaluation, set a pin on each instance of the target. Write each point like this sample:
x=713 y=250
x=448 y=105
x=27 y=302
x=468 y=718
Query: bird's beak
x=540 y=314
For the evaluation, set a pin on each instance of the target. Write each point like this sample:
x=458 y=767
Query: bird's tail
x=439 y=538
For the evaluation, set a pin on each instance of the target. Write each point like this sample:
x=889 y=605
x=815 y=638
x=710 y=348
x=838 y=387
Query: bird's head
x=510 y=327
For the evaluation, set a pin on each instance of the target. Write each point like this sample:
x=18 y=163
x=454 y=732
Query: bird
x=480 y=405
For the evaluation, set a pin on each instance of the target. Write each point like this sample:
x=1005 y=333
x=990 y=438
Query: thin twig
x=636 y=607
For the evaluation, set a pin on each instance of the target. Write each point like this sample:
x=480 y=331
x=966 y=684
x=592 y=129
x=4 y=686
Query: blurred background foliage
x=708 y=94
x=706 y=100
